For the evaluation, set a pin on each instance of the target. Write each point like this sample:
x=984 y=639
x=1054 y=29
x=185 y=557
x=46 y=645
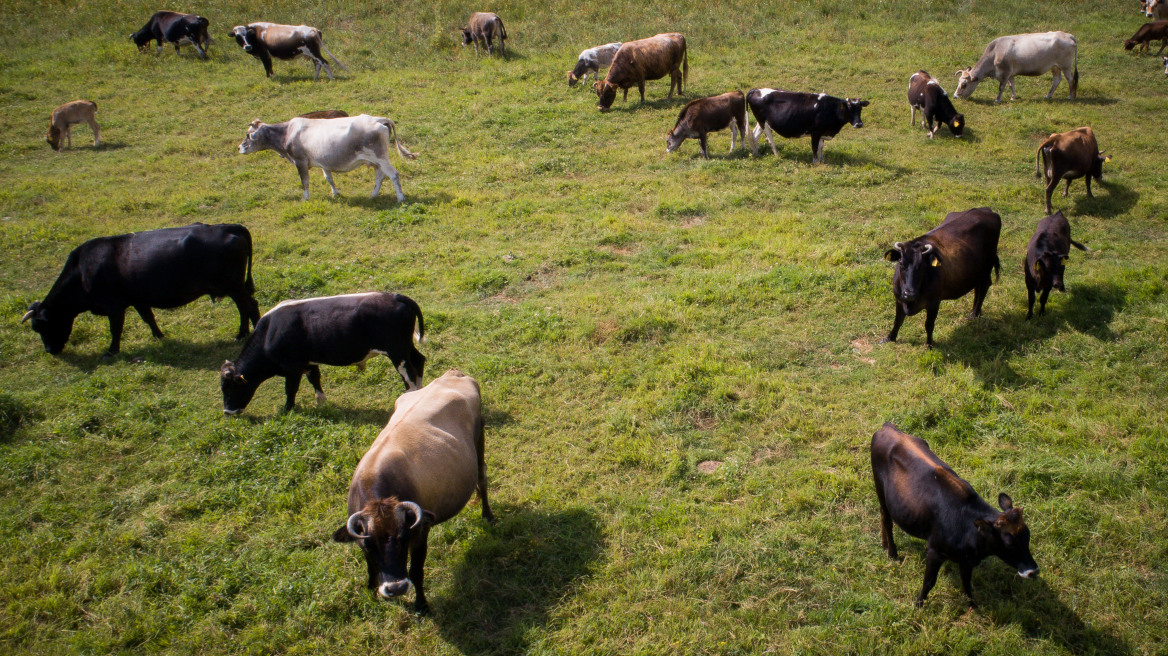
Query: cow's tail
x=1075 y=76
x=997 y=268
x=401 y=150
x=502 y=30
x=248 y=283
x=1040 y=161
x=747 y=134
x=419 y=322
x=684 y=67
x=332 y=56
x=1080 y=246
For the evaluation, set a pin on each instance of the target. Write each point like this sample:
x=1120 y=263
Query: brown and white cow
x=700 y=117
x=69 y=114
x=1069 y=155
x=926 y=94
x=1148 y=32
x=1023 y=54
x=591 y=61
x=419 y=472
x=483 y=26
x=266 y=40
x=645 y=59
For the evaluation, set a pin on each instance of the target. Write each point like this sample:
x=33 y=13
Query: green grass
x=629 y=314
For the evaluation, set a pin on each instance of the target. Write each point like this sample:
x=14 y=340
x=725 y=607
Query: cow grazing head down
x=53 y=137
x=142 y=39
x=1008 y=538
x=957 y=125
x=607 y=94
x=54 y=332
x=916 y=260
x=386 y=529
x=466 y=36
x=966 y=82
x=853 y=107
x=237 y=390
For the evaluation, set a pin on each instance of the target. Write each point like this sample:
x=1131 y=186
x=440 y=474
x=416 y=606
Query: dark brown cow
x=1147 y=33
x=924 y=497
x=176 y=28
x=325 y=113
x=926 y=94
x=645 y=59
x=483 y=26
x=700 y=117
x=1069 y=155
x=1046 y=259
x=945 y=263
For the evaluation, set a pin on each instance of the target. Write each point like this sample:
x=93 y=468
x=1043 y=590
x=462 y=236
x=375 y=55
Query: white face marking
x=317 y=298
x=401 y=369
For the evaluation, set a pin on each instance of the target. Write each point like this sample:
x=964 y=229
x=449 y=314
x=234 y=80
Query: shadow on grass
x=1118 y=200
x=108 y=145
x=172 y=353
x=634 y=103
x=14 y=413
x=513 y=575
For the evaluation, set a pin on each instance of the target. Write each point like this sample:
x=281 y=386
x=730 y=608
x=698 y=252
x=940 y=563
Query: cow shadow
x=179 y=354
x=1120 y=199
x=110 y=145
x=515 y=572
x=634 y=103
x=358 y=417
x=1091 y=100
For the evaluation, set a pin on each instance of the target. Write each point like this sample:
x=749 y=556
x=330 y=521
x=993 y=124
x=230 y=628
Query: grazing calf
x=924 y=497
x=645 y=59
x=295 y=337
x=591 y=61
x=1147 y=33
x=154 y=269
x=483 y=26
x=945 y=263
x=176 y=28
x=704 y=115
x=1069 y=155
x=266 y=40
x=1023 y=54
x=794 y=114
x=419 y=472
x=69 y=114
x=1046 y=259
x=325 y=113
x=926 y=94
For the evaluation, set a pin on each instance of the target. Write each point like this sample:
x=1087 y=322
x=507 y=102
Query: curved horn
x=27 y=316
x=417 y=511
x=928 y=249
x=353 y=531
x=899 y=245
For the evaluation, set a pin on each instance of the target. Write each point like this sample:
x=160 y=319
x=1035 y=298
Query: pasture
x=678 y=358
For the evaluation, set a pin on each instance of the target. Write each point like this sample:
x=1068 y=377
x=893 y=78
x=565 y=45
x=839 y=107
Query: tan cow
x=1069 y=155
x=1024 y=54
x=645 y=59
x=72 y=113
x=483 y=26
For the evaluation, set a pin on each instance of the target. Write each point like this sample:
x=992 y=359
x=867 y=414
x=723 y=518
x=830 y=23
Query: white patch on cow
x=822 y=95
x=401 y=369
x=383 y=589
x=763 y=93
x=815 y=106
x=298 y=301
x=933 y=82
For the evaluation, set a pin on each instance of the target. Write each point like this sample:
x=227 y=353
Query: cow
x=591 y=61
x=173 y=27
x=153 y=269
x=419 y=472
x=70 y=114
x=1046 y=259
x=704 y=115
x=266 y=40
x=1069 y=155
x=641 y=60
x=483 y=26
x=926 y=94
x=335 y=145
x=326 y=113
x=1165 y=60
x=295 y=337
x=945 y=264
x=1147 y=33
x=795 y=114
x=1023 y=54
x=1157 y=9
x=924 y=497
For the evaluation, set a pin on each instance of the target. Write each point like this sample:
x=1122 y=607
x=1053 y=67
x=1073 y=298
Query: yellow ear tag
x=888 y=256
x=956 y=124
x=1107 y=159
x=936 y=262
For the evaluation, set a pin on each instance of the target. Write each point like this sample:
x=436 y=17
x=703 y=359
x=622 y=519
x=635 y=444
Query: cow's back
x=916 y=484
x=967 y=243
x=646 y=59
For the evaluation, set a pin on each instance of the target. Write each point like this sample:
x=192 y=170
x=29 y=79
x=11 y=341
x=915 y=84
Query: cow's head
x=673 y=139
x=1049 y=266
x=1129 y=44
x=607 y=94
x=966 y=82
x=252 y=143
x=1097 y=165
x=466 y=38
x=237 y=390
x=1008 y=538
x=957 y=125
x=572 y=79
x=916 y=260
x=142 y=39
x=53 y=136
x=54 y=330
x=245 y=36
x=386 y=529
x=853 y=107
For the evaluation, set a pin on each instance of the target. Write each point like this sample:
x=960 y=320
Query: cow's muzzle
x=858 y=124
x=1029 y=573
x=231 y=413
x=391 y=589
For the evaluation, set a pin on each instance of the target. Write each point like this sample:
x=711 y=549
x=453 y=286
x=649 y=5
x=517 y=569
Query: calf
x=294 y=337
x=945 y=264
x=176 y=28
x=1069 y=155
x=794 y=114
x=420 y=471
x=591 y=61
x=143 y=270
x=483 y=26
x=1147 y=33
x=926 y=94
x=1023 y=54
x=704 y=115
x=266 y=40
x=69 y=114
x=1046 y=259
x=325 y=113
x=924 y=497
x=645 y=59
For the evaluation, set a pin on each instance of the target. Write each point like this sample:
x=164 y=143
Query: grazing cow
x=295 y=337
x=1147 y=33
x=645 y=59
x=1165 y=59
x=70 y=114
x=1069 y=155
x=483 y=26
x=926 y=94
x=704 y=115
x=794 y=114
x=173 y=27
x=266 y=40
x=928 y=500
x=1157 y=9
x=143 y=270
x=335 y=144
x=1046 y=259
x=1023 y=54
x=325 y=113
x=591 y=61
x=419 y=472
x=945 y=264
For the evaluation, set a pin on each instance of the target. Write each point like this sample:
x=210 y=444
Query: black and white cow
x=266 y=40
x=295 y=337
x=794 y=114
x=176 y=28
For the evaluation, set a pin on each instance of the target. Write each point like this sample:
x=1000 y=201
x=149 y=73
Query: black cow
x=143 y=270
x=926 y=94
x=1046 y=259
x=794 y=114
x=176 y=28
x=928 y=500
x=944 y=264
x=294 y=337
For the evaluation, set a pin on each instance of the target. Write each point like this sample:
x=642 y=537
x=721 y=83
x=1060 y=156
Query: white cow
x=1023 y=54
x=334 y=144
x=591 y=61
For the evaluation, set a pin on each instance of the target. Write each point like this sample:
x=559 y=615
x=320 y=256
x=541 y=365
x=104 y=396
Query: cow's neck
x=272 y=136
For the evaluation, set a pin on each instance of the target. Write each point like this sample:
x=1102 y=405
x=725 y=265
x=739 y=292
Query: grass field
x=629 y=314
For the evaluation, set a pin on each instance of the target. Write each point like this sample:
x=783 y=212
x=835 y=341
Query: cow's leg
x=96 y=131
x=1067 y=188
x=1042 y=301
x=1088 y=179
x=314 y=379
x=417 y=572
x=329 y=176
x=815 y=148
x=117 y=319
x=1163 y=44
x=481 y=488
x=912 y=114
x=886 y=541
x=1030 y=285
x=930 y=321
x=626 y=96
x=248 y=310
x=387 y=170
x=1050 y=185
x=159 y=51
x=641 y=88
x=1056 y=73
x=771 y=141
x=198 y=48
x=966 y=581
x=302 y=169
x=979 y=294
x=702 y=140
x=1013 y=94
x=1001 y=88
x=267 y=60
x=733 y=133
x=291 y=386
x=148 y=317
x=933 y=562
x=891 y=337
x=319 y=60
x=69 y=135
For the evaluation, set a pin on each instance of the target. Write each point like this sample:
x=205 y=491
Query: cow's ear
x=864 y=103
x=428 y=518
x=1005 y=502
x=1106 y=158
x=342 y=535
x=892 y=255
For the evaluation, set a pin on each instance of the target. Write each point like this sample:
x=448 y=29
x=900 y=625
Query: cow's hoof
x=886 y=340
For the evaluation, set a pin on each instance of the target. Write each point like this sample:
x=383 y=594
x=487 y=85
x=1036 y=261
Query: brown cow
x=483 y=26
x=1046 y=259
x=704 y=115
x=72 y=113
x=1069 y=155
x=1147 y=33
x=645 y=59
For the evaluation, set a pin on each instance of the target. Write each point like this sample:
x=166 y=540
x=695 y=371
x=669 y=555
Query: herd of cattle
x=424 y=466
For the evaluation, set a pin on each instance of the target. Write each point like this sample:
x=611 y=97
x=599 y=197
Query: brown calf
x=1069 y=155
x=1147 y=33
x=704 y=115
x=641 y=60
x=72 y=113
x=483 y=26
